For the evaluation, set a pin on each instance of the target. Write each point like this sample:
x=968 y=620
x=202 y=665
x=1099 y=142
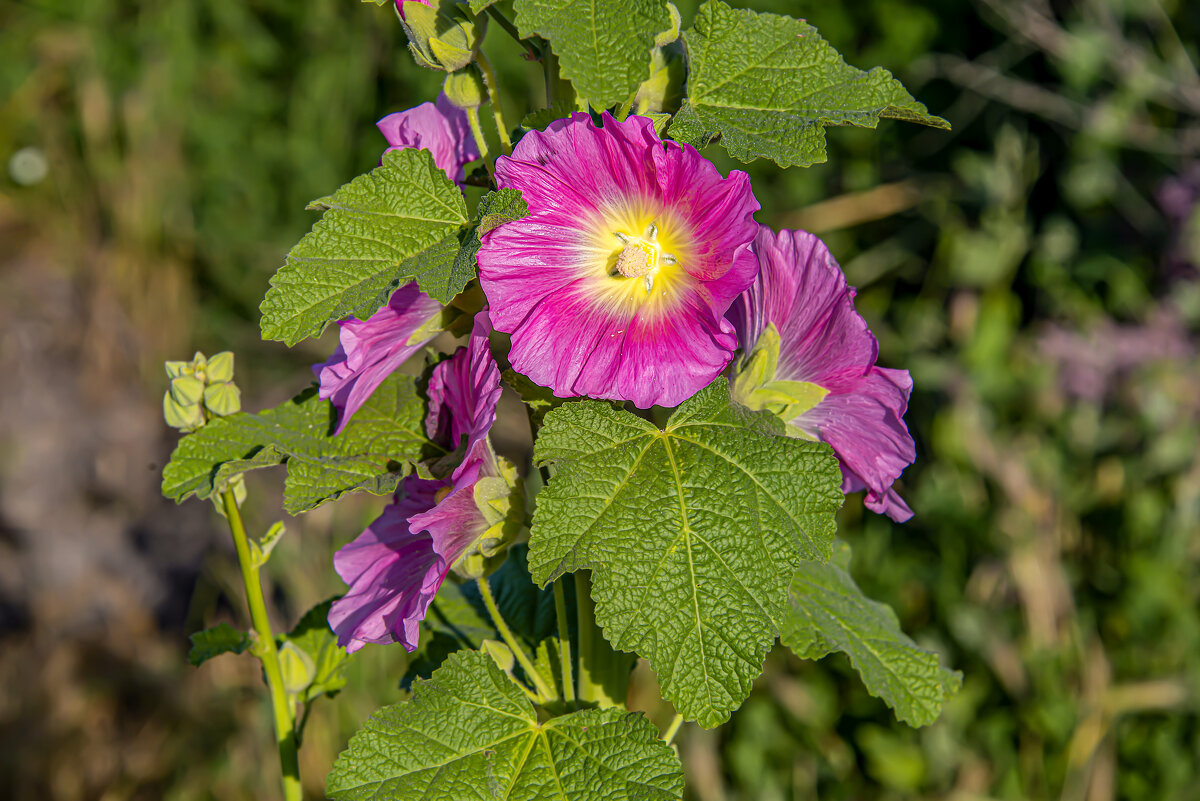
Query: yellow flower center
x=637 y=259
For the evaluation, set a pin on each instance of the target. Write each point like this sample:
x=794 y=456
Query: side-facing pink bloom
x=440 y=128
x=397 y=565
x=856 y=407
x=371 y=350
x=617 y=282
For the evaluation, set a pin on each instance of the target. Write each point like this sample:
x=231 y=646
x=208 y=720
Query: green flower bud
x=187 y=390
x=220 y=367
x=177 y=369
x=222 y=398
x=441 y=38
x=184 y=416
x=464 y=89
x=297 y=668
x=500 y=653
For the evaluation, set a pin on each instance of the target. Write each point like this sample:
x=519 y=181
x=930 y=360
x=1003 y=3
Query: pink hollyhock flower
x=369 y=351
x=810 y=357
x=617 y=282
x=397 y=565
x=440 y=128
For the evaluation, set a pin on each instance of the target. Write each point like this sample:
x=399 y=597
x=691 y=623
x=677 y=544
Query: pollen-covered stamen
x=641 y=257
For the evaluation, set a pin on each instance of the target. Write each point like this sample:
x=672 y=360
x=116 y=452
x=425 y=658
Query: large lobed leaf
x=603 y=47
x=693 y=533
x=828 y=612
x=768 y=85
x=397 y=223
x=470 y=733
x=373 y=452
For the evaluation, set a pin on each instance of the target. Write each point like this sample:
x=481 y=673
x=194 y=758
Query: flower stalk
x=489 y=600
x=564 y=642
x=493 y=87
x=265 y=648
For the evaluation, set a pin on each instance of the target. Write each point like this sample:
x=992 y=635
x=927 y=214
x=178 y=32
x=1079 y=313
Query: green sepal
x=219 y=367
x=319 y=663
x=187 y=390
x=222 y=398
x=186 y=418
x=755 y=386
x=297 y=668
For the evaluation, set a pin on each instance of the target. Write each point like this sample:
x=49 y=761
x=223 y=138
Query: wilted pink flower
x=853 y=405
x=616 y=283
x=397 y=565
x=442 y=129
x=369 y=351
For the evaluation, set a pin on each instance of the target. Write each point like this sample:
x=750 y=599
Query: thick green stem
x=493 y=87
x=285 y=726
x=564 y=642
x=590 y=688
x=480 y=141
x=673 y=729
x=523 y=659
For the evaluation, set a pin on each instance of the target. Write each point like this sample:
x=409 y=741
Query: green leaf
x=470 y=733
x=373 y=237
x=768 y=85
x=220 y=639
x=538 y=119
x=479 y=5
x=315 y=640
x=603 y=47
x=692 y=533
x=827 y=612
x=495 y=209
x=373 y=452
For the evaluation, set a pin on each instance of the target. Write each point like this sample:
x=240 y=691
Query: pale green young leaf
x=220 y=639
x=373 y=452
x=692 y=533
x=767 y=85
x=373 y=237
x=827 y=612
x=603 y=47
x=470 y=734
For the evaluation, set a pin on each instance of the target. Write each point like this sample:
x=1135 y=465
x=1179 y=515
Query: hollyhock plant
x=396 y=566
x=616 y=284
x=810 y=358
x=441 y=128
x=370 y=350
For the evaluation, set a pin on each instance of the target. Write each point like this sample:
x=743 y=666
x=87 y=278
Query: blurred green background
x=1035 y=269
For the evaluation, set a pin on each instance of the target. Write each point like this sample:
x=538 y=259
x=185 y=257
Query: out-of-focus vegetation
x=1035 y=269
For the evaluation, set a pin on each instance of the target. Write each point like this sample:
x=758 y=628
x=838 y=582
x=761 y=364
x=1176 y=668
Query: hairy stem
x=285 y=727
x=673 y=729
x=523 y=659
x=493 y=87
x=564 y=642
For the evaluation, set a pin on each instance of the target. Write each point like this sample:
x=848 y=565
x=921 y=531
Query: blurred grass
x=1036 y=270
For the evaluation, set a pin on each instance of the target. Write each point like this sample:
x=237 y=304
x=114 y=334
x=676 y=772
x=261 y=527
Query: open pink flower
x=440 y=128
x=397 y=565
x=850 y=403
x=371 y=350
x=617 y=282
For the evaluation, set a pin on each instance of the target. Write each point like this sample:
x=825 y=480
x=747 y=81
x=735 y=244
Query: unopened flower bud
x=187 y=390
x=222 y=398
x=464 y=89
x=220 y=367
x=184 y=416
x=441 y=38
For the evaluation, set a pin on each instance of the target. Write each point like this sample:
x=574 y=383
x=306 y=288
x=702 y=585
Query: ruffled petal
x=865 y=427
x=801 y=289
x=393 y=571
x=577 y=326
x=464 y=391
x=371 y=350
x=440 y=128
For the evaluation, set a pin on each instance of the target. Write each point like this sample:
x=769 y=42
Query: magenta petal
x=442 y=129
x=548 y=287
x=370 y=351
x=801 y=289
x=393 y=571
x=865 y=427
x=464 y=391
